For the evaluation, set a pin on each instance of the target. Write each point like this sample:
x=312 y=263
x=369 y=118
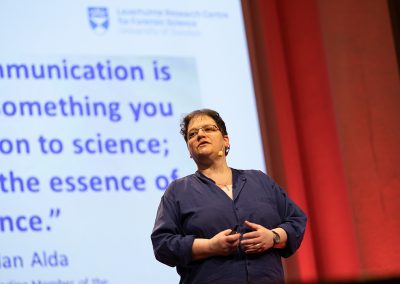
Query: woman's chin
x=205 y=154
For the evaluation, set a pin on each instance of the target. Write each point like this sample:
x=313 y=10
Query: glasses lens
x=209 y=128
x=192 y=133
x=206 y=128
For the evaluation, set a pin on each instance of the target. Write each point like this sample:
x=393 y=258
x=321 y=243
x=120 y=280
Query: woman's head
x=194 y=115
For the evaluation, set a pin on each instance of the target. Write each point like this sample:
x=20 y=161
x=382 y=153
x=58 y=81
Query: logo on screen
x=98 y=19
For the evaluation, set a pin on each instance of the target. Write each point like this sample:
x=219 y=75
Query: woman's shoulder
x=254 y=175
x=250 y=172
x=184 y=180
x=179 y=185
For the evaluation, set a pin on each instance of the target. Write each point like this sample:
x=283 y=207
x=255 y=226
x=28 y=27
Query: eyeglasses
x=206 y=128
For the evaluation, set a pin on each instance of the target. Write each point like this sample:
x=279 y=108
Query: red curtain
x=304 y=113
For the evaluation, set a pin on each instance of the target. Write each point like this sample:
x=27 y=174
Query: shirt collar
x=235 y=176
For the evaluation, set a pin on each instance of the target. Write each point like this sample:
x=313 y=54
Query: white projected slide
x=91 y=97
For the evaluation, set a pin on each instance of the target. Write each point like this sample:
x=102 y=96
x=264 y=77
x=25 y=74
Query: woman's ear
x=226 y=139
x=227 y=144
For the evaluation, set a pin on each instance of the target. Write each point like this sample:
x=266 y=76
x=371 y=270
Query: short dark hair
x=206 y=112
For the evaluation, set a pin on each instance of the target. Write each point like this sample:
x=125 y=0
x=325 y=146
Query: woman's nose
x=201 y=134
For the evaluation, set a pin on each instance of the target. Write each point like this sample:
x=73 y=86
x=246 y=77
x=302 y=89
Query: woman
x=222 y=225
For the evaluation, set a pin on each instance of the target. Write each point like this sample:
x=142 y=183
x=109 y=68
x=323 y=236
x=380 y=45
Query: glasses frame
x=195 y=131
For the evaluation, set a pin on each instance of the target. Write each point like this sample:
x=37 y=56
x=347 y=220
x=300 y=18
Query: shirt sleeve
x=170 y=245
x=293 y=220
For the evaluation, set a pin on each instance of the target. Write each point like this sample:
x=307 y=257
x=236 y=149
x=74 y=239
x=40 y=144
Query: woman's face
x=209 y=139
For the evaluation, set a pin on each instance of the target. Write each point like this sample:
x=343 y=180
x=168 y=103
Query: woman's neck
x=221 y=174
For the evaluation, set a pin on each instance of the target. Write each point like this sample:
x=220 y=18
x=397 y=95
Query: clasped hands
x=259 y=240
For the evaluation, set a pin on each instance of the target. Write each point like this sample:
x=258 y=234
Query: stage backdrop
x=328 y=75
x=91 y=96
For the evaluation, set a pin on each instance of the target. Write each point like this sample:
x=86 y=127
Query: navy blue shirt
x=195 y=207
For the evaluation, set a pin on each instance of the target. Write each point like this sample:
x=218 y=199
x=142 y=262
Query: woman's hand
x=259 y=240
x=223 y=243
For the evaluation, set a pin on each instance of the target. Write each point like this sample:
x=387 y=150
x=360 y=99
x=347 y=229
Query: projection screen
x=91 y=97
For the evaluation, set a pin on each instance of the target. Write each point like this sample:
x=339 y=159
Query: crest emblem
x=98 y=19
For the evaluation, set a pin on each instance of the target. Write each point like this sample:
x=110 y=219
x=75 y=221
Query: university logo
x=98 y=19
